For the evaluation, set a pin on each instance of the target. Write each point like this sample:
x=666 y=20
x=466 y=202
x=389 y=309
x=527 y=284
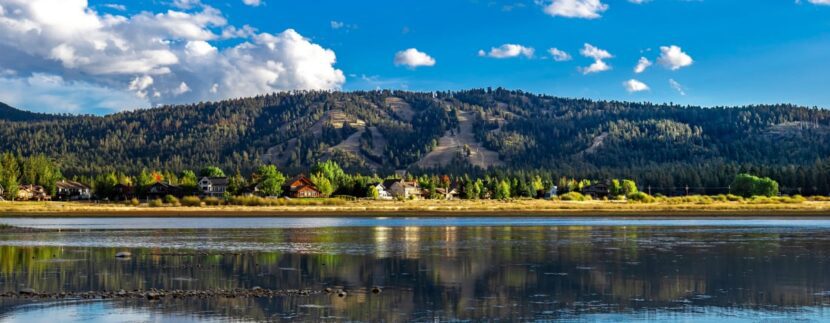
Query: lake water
x=429 y=269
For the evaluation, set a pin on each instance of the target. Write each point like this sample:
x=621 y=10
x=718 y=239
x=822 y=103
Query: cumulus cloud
x=633 y=85
x=586 y=9
x=123 y=53
x=599 y=56
x=252 y=3
x=677 y=87
x=559 y=55
x=673 y=58
x=642 y=65
x=413 y=58
x=52 y=94
x=508 y=51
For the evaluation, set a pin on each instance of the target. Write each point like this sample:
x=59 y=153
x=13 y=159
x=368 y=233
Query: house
x=597 y=191
x=300 y=187
x=552 y=192
x=383 y=193
x=162 y=189
x=32 y=193
x=121 y=192
x=447 y=194
x=213 y=186
x=400 y=188
x=72 y=191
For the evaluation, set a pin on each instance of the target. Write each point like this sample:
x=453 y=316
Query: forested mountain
x=659 y=145
x=12 y=114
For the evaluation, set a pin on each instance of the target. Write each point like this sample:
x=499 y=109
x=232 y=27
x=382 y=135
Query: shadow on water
x=612 y=273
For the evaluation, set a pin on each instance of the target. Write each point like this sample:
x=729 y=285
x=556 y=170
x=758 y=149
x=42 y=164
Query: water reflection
x=427 y=273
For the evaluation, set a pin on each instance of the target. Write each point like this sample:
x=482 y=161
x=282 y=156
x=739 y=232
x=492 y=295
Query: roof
x=217 y=181
x=389 y=182
x=300 y=177
x=71 y=185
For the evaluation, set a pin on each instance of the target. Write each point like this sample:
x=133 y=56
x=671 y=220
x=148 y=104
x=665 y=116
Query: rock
x=153 y=296
x=341 y=293
x=376 y=290
x=28 y=291
x=328 y=290
x=256 y=288
x=122 y=293
x=123 y=254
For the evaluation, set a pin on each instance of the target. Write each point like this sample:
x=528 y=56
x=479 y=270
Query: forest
x=666 y=148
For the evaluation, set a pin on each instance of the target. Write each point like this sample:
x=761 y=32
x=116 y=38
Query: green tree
x=269 y=180
x=10 y=174
x=188 y=181
x=331 y=171
x=502 y=190
x=373 y=193
x=747 y=185
x=212 y=171
x=628 y=187
x=323 y=184
x=236 y=183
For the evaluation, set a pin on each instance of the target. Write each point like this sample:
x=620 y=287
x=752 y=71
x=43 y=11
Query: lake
x=427 y=269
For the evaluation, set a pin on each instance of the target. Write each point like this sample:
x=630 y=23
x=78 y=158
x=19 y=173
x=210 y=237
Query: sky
x=107 y=56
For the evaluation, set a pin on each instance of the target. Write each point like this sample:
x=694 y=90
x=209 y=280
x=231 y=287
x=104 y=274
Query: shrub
x=720 y=198
x=132 y=202
x=156 y=203
x=819 y=198
x=213 y=201
x=170 y=199
x=734 y=198
x=191 y=201
x=572 y=196
x=641 y=197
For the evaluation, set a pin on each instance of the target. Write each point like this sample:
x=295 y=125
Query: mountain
x=663 y=145
x=11 y=114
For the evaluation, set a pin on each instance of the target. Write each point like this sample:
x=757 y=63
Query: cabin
x=552 y=192
x=383 y=193
x=213 y=186
x=300 y=187
x=32 y=193
x=162 y=189
x=121 y=192
x=447 y=194
x=72 y=191
x=400 y=188
x=597 y=191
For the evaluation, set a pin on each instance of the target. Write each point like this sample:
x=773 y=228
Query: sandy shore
x=420 y=208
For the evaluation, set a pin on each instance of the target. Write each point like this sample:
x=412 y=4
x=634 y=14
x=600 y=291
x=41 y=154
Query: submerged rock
x=376 y=290
x=123 y=254
x=28 y=291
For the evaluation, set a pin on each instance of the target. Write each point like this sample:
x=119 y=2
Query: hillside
x=383 y=131
x=11 y=114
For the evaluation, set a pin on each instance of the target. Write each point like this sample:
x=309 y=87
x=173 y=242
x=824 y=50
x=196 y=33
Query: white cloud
x=818 y=2
x=633 y=85
x=677 y=87
x=642 y=65
x=413 y=58
x=599 y=56
x=70 y=39
x=337 y=24
x=253 y=3
x=587 y=9
x=186 y=4
x=673 y=57
x=508 y=51
x=559 y=55
x=114 y=6
x=182 y=89
x=638 y=1
x=52 y=94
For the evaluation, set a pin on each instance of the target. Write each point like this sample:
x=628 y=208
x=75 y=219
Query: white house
x=383 y=193
x=213 y=186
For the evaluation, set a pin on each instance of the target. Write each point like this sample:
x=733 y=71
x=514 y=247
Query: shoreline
x=426 y=208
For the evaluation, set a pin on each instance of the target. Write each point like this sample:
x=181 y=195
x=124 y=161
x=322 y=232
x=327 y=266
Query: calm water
x=430 y=269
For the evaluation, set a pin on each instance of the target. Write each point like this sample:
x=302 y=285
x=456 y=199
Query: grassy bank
x=666 y=207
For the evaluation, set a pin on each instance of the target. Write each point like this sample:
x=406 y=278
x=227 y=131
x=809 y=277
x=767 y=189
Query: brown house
x=32 y=193
x=300 y=187
x=597 y=191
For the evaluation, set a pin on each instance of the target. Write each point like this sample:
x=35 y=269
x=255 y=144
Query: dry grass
x=333 y=207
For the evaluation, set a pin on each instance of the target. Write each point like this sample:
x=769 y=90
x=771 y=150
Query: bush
x=819 y=198
x=734 y=198
x=156 y=203
x=132 y=202
x=641 y=197
x=212 y=201
x=573 y=196
x=191 y=201
x=170 y=199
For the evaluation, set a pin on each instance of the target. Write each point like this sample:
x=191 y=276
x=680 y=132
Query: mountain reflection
x=435 y=272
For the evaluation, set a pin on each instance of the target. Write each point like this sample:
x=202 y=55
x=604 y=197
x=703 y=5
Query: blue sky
x=727 y=52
